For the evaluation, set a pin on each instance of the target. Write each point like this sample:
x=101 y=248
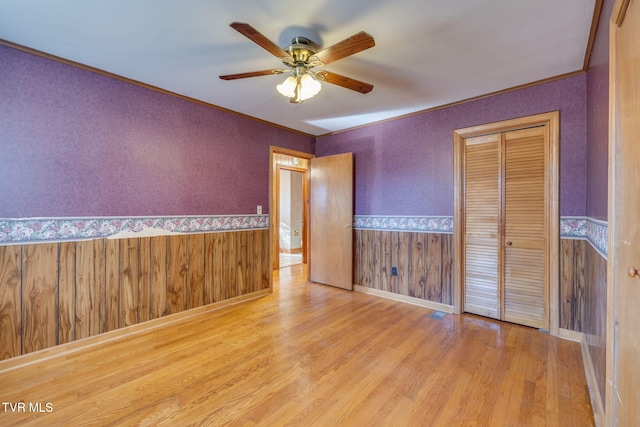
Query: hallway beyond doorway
x=287 y=260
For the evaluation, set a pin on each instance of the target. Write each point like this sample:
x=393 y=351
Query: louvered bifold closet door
x=524 y=222
x=482 y=210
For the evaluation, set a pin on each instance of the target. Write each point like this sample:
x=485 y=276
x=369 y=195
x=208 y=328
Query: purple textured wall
x=75 y=143
x=598 y=118
x=405 y=166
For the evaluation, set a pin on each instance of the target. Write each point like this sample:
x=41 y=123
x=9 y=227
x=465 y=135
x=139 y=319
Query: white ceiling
x=428 y=53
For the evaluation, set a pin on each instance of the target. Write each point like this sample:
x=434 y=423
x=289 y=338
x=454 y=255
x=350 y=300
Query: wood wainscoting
x=54 y=293
x=583 y=304
x=572 y=284
x=423 y=262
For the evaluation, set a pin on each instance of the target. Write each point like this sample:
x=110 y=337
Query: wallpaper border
x=34 y=230
x=571 y=227
x=426 y=224
x=37 y=230
x=593 y=230
x=597 y=235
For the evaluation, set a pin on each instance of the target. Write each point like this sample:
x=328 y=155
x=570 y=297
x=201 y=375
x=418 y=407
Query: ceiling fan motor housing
x=301 y=50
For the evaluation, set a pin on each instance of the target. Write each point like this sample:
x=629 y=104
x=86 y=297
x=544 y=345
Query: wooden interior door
x=481 y=226
x=504 y=226
x=331 y=217
x=506 y=204
x=525 y=290
x=623 y=287
x=495 y=203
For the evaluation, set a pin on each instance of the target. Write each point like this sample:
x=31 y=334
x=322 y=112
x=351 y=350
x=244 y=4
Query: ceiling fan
x=302 y=57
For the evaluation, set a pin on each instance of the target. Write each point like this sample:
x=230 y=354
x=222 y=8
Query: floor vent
x=438 y=315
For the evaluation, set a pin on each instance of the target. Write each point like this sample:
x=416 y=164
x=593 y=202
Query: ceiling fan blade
x=354 y=44
x=255 y=36
x=252 y=74
x=346 y=82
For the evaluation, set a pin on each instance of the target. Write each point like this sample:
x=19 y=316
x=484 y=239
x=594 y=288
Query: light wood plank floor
x=308 y=355
x=287 y=260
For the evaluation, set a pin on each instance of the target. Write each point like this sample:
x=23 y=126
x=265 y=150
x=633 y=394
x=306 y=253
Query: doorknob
x=509 y=243
x=347 y=225
x=632 y=272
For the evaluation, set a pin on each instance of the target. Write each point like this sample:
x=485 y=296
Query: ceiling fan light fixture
x=299 y=87
x=288 y=87
x=309 y=87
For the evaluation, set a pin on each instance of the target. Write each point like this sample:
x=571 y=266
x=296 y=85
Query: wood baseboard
x=403 y=298
x=594 y=392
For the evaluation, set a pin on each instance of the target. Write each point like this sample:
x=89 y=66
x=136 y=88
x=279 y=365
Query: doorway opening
x=289 y=207
x=291 y=213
